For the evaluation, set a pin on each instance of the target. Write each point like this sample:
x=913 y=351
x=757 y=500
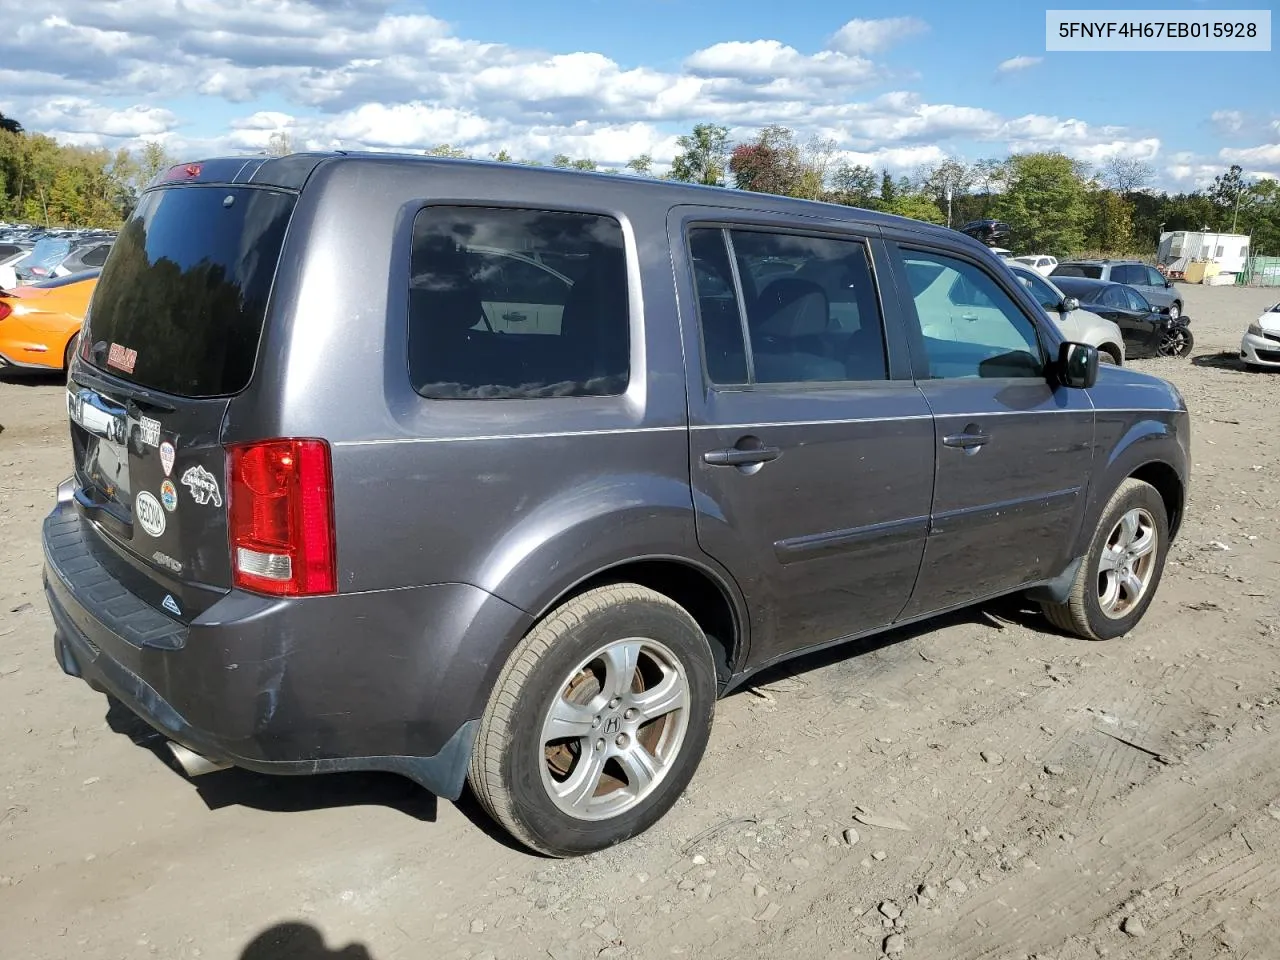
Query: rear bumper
x=392 y=681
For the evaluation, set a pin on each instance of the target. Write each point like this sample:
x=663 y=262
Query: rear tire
x=1107 y=357
x=571 y=755
x=1104 y=603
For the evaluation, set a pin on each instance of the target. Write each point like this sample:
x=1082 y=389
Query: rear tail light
x=5 y=309
x=280 y=517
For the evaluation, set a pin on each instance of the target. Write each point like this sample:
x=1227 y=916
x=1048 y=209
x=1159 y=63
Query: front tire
x=1177 y=343
x=1119 y=575
x=597 y=722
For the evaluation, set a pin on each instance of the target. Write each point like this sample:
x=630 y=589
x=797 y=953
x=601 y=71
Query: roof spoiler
x=288 y=173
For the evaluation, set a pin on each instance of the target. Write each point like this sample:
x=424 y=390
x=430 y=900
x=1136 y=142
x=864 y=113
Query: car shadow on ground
x=281 y=794
x=24 y=379
x=299 y=941
x=997 y=613
x=1225 y=360
x=292 y=794
x=289 y=794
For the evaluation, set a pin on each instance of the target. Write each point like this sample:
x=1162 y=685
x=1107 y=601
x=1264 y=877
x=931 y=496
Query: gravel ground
x=976 y=787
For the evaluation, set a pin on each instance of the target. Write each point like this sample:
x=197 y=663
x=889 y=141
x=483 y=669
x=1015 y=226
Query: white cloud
x=1227 y=121
x=769 y=59
x=871 y=36
x=1014 y=64
x=1263 y=157
x=357 y=73
x=77 y=115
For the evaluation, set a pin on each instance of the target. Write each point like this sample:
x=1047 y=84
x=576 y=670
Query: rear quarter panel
x=519 y=497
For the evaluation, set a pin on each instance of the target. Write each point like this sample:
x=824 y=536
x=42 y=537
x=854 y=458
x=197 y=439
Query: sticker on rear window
x=203 y=485
x=122 y=358
x=150 y=431
x=147 y=509
x=167 y=454
x=171 y=605
x=169 y=495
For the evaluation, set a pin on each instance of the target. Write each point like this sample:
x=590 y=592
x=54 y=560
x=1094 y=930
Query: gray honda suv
x=479 y=472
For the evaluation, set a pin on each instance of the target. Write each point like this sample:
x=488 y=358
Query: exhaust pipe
x=193 y=765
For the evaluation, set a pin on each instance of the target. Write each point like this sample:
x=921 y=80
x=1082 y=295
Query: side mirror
x=1078 y=365
x=1069 y=304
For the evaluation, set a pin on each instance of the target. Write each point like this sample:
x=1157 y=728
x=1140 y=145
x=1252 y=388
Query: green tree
x=1045 y=202
x=1229 y=191
x=562 y=161
x=586 y=163
x=446 y=150
x=502 y=156
x=854 y=184
x=703 y=155
x=641 y=165
x=154 y=161
x=9 y=125
x=279 y=144
x=916 y=206
x=888 y=190
x=1111 y=226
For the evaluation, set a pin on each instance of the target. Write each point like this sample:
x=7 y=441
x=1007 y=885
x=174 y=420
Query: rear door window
x=1092 y=271
x=812 y=312
x=490 y=317
x=1126 y=273
x=180 y=305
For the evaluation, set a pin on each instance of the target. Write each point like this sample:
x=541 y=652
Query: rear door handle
x=737 y=457
x=966 y=441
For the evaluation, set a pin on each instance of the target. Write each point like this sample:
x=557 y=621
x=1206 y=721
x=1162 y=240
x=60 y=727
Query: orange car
x=40 y=322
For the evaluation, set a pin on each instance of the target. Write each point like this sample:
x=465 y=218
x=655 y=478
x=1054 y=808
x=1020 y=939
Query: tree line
x=1052 y=203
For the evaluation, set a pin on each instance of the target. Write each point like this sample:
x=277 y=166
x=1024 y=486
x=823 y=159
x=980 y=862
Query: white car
x=1040 y=262
x=1081 y=326
x=1002 y=252
x=9 y=276
x=1261 y=344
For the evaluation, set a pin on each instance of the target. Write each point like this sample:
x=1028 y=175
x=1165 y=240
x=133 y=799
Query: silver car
x=1077 y=325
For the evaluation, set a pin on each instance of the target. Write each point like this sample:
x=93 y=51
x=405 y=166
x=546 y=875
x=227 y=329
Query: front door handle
x=970 y=440
x=739 y=457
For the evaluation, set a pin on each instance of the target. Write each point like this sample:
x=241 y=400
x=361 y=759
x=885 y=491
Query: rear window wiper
x=138 y=397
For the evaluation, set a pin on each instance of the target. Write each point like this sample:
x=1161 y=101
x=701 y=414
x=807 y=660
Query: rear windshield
x=1078 y=270
x=181 y=301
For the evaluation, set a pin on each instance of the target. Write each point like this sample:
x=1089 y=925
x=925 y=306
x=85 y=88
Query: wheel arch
x=1169 y=485
x=709 y=596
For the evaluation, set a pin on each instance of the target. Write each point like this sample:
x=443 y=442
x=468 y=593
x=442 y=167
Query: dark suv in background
x=473 y=471
x=1147 y=280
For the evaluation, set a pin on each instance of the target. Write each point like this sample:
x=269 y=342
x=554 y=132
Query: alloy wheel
x=614 y=729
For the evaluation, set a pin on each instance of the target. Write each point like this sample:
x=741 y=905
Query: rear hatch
x=172 y=333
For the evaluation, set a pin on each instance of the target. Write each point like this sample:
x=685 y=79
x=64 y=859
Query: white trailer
x=1230 y=251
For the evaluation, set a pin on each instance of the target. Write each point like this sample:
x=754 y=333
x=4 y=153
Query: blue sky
x=898 y=86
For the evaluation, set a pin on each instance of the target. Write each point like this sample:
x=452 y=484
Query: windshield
x=1045 y=295
x=43 y=258
x=183 y=297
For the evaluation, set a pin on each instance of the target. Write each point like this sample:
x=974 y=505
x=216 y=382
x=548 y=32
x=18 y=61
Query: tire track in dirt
x=1134 y=849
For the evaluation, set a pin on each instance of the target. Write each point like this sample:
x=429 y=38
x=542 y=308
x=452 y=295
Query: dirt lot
x=1060 y=799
